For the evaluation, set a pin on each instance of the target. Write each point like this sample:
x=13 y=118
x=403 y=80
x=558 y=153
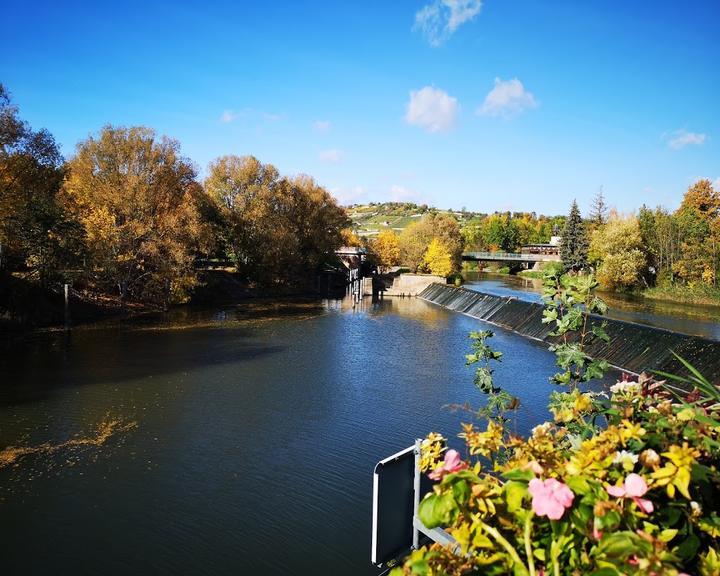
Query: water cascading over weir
x=632 y=347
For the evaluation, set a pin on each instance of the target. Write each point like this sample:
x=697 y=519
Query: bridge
x=524 y=259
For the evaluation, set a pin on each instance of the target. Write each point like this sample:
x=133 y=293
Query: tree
x=438 y=259
x=617 y=248
x=702 y=197
x=574 y=243
x=598 y=209
x=386 y=248
x=415 y=239
x=132 y=192
x=36 y=234
x=277 y=230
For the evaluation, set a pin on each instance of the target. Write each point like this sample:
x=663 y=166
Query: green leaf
x=515 y=492
x=438 y=510
x=519 y=475
x=599 y=331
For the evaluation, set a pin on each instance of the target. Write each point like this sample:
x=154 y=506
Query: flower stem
x=528 y=543
x=504 y=543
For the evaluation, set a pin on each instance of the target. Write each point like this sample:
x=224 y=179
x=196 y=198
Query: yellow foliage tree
x=617 y=248
x=386 y=248
x=132 y=193
x=437 y=258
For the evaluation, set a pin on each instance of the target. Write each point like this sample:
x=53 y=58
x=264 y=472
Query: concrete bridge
x=516 y=259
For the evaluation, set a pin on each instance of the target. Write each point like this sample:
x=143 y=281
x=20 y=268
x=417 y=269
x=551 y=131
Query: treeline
x=436 y=242
x=508 y=231
x=128 y=215
x=653 y=247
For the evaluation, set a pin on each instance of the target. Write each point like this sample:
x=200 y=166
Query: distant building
x=544 y=249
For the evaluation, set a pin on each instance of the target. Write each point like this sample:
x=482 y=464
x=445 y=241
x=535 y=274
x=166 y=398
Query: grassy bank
x=702 y=295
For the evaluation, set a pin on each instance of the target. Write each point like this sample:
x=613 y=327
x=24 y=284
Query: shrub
x=621 y=485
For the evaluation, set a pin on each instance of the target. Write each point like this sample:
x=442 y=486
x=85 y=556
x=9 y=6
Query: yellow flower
x=630 y=431
x=676 y=473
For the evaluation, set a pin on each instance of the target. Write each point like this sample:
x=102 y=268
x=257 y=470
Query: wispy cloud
x=400 y=193
x=439 y=19
x=322 y=125
x=232 y=115
x=229 y=116
x=507 y=98
x=716 y=184
x=331 y=156
x=348 y=195
x=431 y=109
x=681 y=138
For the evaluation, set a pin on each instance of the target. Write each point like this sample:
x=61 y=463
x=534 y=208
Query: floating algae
x=12 y=455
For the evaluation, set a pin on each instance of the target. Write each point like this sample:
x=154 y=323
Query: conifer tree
x=574 y=243
x=599 y=209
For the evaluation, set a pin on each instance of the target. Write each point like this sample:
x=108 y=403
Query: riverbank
x=25 y=306
x=701 y=296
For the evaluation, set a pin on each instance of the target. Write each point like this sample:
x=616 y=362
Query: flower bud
x=649 y=458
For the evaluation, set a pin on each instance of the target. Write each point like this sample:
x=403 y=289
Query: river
x=692 y=319
x=250 y=437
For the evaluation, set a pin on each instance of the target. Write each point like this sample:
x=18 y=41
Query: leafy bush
x=621 y=485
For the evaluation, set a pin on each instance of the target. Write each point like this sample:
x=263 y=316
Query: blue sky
x=492 y=105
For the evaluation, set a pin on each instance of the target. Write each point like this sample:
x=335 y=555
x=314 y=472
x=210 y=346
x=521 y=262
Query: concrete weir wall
x=632 y=347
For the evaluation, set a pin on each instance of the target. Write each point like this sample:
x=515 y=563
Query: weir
x=632 y=347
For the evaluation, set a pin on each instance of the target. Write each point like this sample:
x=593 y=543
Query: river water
x=679 y=317
x=250 y=436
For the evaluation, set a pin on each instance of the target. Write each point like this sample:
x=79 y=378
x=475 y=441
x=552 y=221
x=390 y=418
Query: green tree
x=133 y=194
x=574 y=243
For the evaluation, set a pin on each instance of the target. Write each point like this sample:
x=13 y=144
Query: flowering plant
x=622 y=485
x=638 y=496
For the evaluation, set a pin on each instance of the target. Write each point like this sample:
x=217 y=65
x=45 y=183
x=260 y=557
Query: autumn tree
x=415 y=239
x=132 y=192
x=386 y=248
x=277 y=230
x=574 y=243
x=697 y=218
x=36 y=235
x=617 y=250
x=437 y=258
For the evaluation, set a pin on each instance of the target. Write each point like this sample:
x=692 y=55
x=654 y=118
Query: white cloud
x=248 y=113
x=322 y=125
x=507 y=98
x=432 y=109
x=331 y=156
x=402 y=194
x=681 y=138
x=228 y=116
x=716 y=184
x=439 y=19
x=347 y=196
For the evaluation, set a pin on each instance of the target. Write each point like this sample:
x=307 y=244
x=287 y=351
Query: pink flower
x=550 y=497
x=634 y=487
x=452 y=464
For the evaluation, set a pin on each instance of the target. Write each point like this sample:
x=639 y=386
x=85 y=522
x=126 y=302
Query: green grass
x=701 y=295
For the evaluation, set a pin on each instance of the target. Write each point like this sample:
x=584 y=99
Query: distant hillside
x=369 y=219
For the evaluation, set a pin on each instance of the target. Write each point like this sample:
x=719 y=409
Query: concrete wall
x=412 y=284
